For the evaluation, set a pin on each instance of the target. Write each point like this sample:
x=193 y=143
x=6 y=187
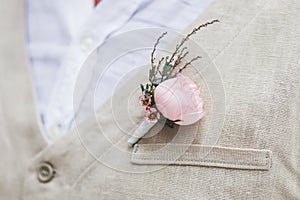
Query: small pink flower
x=152 y=115
x=145 y=100
x=179 y=99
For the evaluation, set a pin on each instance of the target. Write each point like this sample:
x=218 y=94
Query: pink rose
x=179 y=99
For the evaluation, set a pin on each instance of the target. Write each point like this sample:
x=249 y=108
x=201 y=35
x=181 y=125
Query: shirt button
x=55 y=131
x=86 y=43
x=45 y=172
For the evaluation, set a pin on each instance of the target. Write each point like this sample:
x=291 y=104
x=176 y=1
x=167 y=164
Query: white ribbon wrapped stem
x=140 y=132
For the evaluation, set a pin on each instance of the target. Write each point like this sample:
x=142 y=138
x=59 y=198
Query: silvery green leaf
x=150 y=74
x=166 y=68
x=157 y=81
x=142 y=88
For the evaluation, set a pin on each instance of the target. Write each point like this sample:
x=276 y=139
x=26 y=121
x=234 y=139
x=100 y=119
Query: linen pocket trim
x=225 y=157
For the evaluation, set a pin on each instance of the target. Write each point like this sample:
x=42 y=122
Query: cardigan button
x=45 y=173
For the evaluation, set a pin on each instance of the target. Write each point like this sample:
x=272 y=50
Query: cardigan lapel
x=17 y=94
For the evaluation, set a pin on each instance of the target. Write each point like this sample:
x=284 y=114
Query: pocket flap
x=226 y=157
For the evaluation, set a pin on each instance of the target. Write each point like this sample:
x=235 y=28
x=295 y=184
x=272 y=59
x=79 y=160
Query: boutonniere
x=170 y=97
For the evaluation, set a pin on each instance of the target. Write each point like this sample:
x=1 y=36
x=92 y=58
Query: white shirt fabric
x=61 y=34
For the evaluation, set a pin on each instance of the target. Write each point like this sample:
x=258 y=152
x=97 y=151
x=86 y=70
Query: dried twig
x=180 y=57
x=157 y=70
x=194 y=59
x=195 y=30
x=154 y=48
x=170 y=65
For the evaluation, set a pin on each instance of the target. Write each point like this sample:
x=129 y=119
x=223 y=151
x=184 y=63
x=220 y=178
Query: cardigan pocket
x=199 y=155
